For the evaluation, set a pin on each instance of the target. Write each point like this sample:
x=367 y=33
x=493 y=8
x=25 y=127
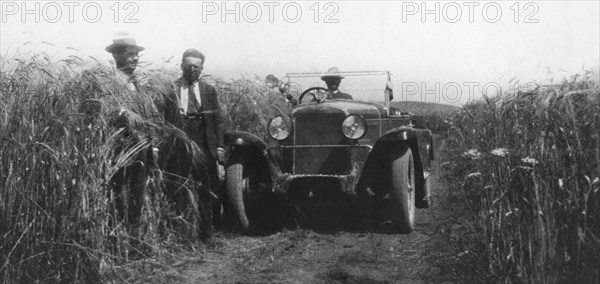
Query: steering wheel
x=319 y=94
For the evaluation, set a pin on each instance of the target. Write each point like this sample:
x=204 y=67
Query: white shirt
x=184 y=102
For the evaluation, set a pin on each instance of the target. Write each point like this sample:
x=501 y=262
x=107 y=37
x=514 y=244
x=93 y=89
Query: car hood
x=347 y=107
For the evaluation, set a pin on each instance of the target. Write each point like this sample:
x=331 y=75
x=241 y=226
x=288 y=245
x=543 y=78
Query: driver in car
x=333 y=79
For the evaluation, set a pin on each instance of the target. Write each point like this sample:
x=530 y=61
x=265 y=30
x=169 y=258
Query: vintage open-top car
x=358 y=152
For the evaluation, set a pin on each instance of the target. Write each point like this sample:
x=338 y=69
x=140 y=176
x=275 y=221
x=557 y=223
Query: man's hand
x=221 y=172
x=155 y=153
x=221 y=155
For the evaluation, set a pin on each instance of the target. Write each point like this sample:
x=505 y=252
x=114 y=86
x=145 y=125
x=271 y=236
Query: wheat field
x=525 y=169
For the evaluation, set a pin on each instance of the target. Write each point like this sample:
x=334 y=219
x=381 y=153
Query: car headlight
x=280 y=128
x=354 y=126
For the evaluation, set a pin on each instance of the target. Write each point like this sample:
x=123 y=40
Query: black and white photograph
x=300 y=141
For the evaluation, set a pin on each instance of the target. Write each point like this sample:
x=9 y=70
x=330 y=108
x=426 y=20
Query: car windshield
x=365 y=86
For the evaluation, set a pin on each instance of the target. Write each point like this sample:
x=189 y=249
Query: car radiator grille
x=320 y=129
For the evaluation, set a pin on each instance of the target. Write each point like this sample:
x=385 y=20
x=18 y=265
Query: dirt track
x=305 y=256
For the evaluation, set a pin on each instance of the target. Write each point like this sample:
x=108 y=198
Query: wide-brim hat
x=123 y=39
x=332 y=73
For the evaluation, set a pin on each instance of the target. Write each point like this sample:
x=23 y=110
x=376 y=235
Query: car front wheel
x=402 y=192
x=241 y=178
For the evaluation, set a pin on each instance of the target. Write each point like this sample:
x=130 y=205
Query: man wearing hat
x=125 y=51
x=333 y=79
x=129 y=183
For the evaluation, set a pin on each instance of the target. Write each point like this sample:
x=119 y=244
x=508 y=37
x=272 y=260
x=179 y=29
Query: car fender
x=379 y=158
x=398 y=134
x=246 y=141
x=425 y=140
x=243 y=138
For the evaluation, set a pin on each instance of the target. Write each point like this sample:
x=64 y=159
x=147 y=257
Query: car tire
x=402 y=192
x=240 y=176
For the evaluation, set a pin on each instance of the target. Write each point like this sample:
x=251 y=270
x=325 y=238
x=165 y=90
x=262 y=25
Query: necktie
x=193 y=105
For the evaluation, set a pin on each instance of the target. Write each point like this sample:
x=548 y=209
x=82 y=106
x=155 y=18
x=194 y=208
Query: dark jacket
x=211 y=112
x=340 y=95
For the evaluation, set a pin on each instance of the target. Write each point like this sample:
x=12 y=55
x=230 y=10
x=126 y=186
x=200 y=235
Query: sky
x=431 y=48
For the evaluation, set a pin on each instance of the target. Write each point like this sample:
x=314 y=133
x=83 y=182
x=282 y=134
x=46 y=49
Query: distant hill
x=428 y=115
x=423 y=108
